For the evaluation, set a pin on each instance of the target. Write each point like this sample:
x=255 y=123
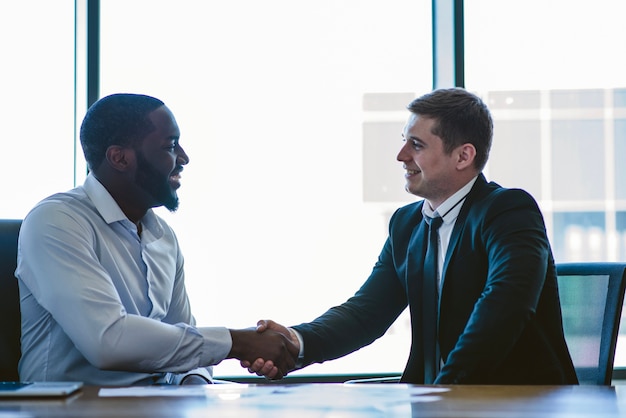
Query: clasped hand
x=266 y=366
x=268 y=350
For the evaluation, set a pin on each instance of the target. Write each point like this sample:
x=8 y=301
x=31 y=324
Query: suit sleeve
x=361 y=319
x=511 y=234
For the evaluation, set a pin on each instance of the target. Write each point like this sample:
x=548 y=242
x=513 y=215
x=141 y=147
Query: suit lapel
x=415 y=261
x=414 y=371
x=459 y=225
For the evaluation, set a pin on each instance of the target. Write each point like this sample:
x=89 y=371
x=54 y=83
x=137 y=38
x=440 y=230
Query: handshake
x=270 y=350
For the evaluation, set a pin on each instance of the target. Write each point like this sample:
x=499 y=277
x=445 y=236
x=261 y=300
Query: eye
x=415 y=143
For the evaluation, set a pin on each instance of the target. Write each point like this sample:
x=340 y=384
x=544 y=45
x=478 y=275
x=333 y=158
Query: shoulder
x=494 y=206
x=405 y=218
x=61 y=209
x=63 y=220
x=407 y=212
x=496 y=196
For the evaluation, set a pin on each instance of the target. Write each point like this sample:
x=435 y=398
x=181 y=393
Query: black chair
x=592 y=295
x=10 y=327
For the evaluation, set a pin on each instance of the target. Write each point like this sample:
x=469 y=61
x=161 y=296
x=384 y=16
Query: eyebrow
x=415 y=138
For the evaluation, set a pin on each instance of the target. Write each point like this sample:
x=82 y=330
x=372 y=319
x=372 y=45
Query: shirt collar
x=107 y=206
x=451 y=207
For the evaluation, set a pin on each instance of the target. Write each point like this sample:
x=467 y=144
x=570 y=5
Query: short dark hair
x=118 y=119
x=460 y=117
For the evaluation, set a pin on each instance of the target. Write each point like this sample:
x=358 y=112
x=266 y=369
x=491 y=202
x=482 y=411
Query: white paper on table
x=347 y=397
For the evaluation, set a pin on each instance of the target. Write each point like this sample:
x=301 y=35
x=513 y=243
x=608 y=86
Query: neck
x=127 y=198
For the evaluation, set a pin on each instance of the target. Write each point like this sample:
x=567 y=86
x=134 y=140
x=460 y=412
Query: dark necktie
x=430 y=300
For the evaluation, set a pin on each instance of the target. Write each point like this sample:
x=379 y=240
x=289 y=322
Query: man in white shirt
x=101 y=276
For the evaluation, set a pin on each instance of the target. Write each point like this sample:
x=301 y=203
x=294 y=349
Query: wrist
x=238 y=346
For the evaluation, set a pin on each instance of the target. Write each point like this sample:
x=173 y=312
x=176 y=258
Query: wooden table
x=337 y=401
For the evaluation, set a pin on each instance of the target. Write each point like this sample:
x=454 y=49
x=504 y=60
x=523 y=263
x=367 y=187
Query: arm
x=368 y=314
x=246 y=345
x=62 y=263
x=346 y=328
x=179 y=311
x=511 y=236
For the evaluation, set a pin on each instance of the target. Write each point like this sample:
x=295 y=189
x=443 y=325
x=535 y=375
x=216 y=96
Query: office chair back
x=10 y=326
x=592 y=295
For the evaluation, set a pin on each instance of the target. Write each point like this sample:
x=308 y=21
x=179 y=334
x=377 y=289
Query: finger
x=268 y=367
x=272 y=371
x=261 y=325
x=245 y=364
x=257 y=365
x=275 y=326
x=273 y=374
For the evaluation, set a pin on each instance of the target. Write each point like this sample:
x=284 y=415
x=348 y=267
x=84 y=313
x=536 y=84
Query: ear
x=120 y=158
x=466 y=154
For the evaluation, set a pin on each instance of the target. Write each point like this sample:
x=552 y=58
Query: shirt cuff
x=216 y=345
x=300 y=341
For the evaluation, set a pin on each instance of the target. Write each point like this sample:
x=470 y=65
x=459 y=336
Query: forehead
x=164 y=122
x=419 y=126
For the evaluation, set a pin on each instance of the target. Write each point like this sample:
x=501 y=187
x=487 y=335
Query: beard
x=155 y=184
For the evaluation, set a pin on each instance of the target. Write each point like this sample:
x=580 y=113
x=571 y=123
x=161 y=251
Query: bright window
x=553 y=75
x=291 y=113
x=37 y=105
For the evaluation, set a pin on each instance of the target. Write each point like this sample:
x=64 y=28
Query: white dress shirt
x=102 y=305
x=449 y=210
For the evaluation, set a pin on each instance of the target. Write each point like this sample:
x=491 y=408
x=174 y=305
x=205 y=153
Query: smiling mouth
x=175 y=180
x=411 y=172
x=175 y=175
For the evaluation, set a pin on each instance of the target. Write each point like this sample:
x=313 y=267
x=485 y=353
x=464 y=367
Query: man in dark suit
x=492 y=313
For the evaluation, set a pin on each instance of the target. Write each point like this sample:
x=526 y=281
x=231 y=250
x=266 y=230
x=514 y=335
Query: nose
x=402 y=155
x=182 y=158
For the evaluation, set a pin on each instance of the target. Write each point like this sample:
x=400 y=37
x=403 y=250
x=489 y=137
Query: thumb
x=262 y=325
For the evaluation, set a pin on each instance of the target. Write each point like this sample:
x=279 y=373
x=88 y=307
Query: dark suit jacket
x=499 y=313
